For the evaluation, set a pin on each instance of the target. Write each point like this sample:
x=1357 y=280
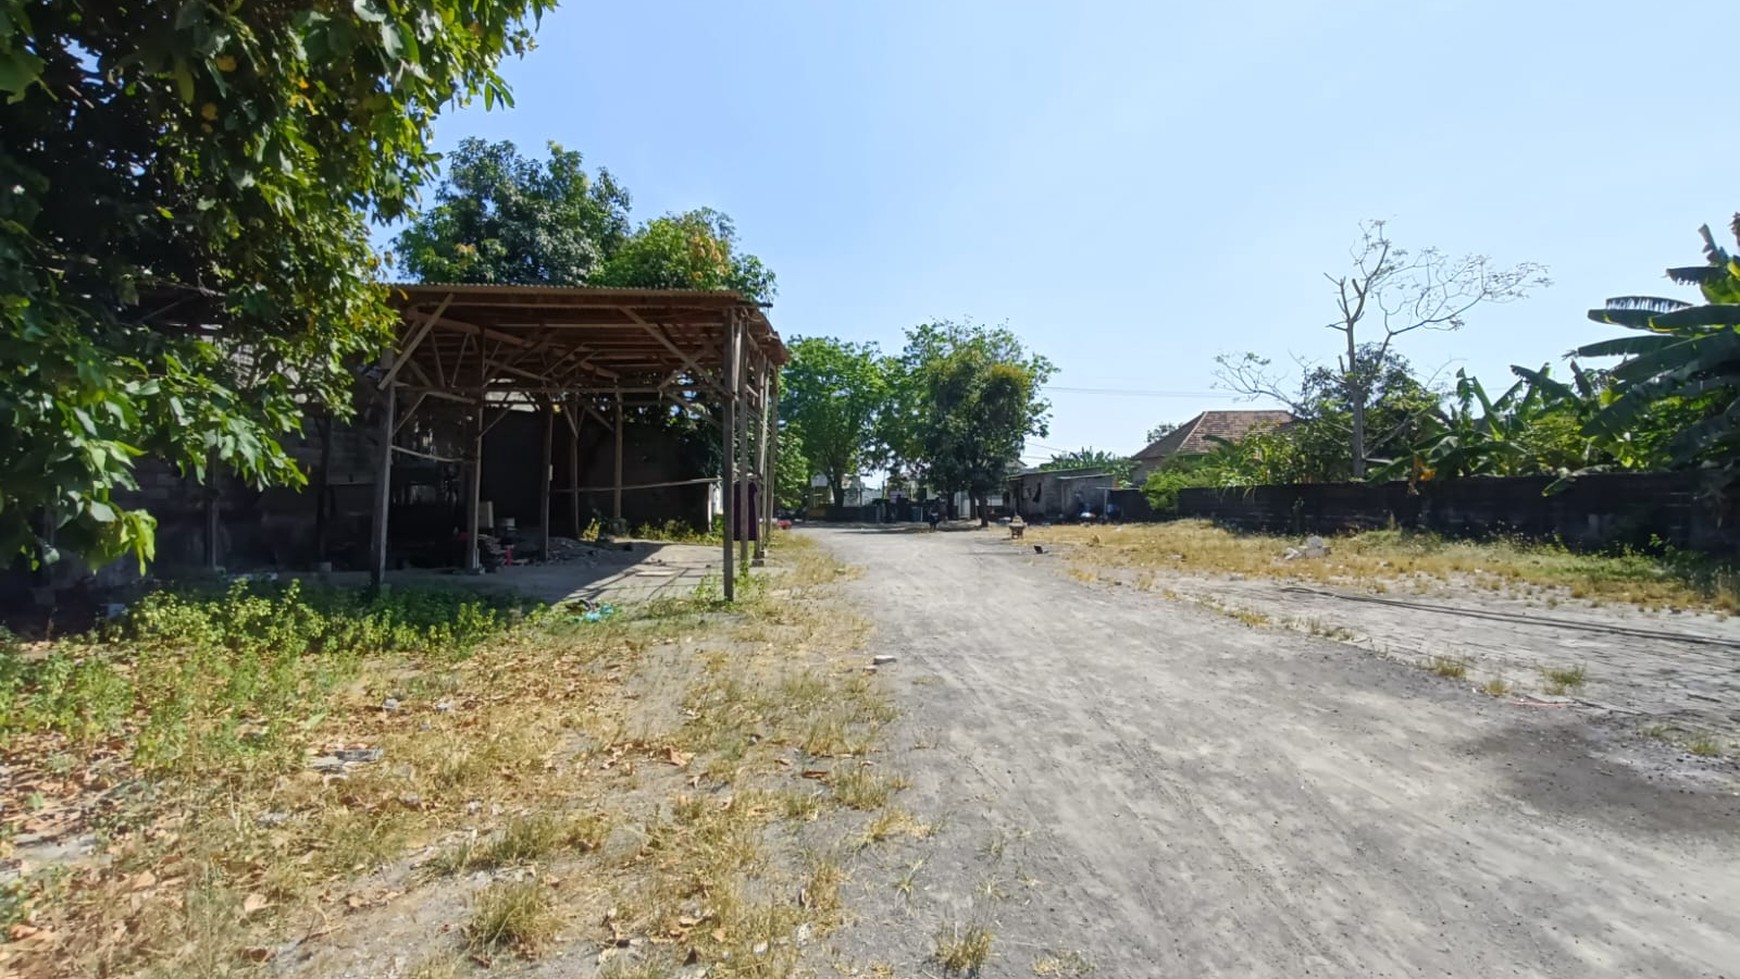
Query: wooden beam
x=760 y=516
x=574 y=475
x=416 y=403
x=728 y=455
x=742 y=508
x=474 y=490
x=383 y=497
x=417 y=335
x=616 y=494
x=546 y=476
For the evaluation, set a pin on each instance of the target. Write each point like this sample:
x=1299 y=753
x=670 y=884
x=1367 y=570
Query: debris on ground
x=1315 y=547
x=882 y=660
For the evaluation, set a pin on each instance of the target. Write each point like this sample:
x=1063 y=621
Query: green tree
x=1120 y=467
x=500 y=217
x=792 y=478
x=1389 y=293
x=184 y=249
x=969 y=398
x=1160 y=431
x=831 y=393
x=693 y=250
x=1679 y=384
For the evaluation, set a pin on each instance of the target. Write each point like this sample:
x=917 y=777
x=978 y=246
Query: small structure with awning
x=468 y=355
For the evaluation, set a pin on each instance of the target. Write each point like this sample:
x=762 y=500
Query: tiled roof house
x=1194 y=436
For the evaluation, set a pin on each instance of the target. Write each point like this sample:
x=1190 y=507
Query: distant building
x=1196 y=436
x=1060 y=494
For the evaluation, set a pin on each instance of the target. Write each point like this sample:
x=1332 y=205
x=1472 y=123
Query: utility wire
x=1144 y=393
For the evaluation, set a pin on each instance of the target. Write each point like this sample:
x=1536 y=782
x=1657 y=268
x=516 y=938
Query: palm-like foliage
x=1688 y=354
x=1529 y=429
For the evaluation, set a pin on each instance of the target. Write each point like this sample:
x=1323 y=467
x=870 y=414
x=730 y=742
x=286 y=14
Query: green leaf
x=18 y=71
x=183 y=81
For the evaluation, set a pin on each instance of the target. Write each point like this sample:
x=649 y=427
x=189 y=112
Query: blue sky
x=1136 y=187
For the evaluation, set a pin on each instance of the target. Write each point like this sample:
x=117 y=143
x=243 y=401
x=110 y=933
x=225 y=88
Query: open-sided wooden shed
x=574 y=352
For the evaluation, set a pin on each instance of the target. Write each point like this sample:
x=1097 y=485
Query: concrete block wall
x=1595 y=511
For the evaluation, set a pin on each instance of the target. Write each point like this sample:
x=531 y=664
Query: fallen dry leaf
x=256 y=954
x=255 y=902
x=144 y=879
x=19 y=933
x=816 y=773
x=678 y=758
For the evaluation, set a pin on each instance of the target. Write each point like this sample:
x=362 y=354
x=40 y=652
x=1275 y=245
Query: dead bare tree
x=1390 y=292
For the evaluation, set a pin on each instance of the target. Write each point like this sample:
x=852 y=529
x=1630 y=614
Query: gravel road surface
x=1158 y=790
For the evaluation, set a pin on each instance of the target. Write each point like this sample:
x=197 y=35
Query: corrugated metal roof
x=586 y=291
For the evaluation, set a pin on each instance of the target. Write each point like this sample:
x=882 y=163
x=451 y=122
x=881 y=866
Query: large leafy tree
x=1683 y=367
x=183 y=234
x=1387 y=293
x=831 y=393
x=501 y=217
x=1118 y=466
x=693 y=250
x=970 y=398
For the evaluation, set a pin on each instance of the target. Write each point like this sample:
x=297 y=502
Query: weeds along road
x=1161 y=791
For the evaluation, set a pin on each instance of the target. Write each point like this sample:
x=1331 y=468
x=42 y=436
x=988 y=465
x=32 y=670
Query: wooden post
x=473 y=493
x=383 y=488
x=546 y=476
x=728 y=447
x=574 y=472
x=616 y=492
x=742 y=507
x=761 y=457
x=770 y=481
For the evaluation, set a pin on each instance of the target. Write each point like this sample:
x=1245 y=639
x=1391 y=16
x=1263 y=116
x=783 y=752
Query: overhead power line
x=1144 y=393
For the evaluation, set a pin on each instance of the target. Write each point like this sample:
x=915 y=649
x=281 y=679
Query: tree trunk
x=983 y=508
x=837 y=483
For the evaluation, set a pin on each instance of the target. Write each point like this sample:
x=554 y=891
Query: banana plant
x=1687 y=355
x=1520 y=432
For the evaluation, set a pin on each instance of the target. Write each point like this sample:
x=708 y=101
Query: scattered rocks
x=272 y=819
x=346 y=758
x=1315 y=547
x=390 y=704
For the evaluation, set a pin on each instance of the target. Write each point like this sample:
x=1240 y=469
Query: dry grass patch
x=1563 y=679
x=519 y=916
x=1384 y=559
x=535 y=739
x=1447 y=667
x=962 y=950
x=1066 y=964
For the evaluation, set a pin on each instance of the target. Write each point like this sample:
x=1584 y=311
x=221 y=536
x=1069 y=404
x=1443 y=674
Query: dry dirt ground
x=1123 y=784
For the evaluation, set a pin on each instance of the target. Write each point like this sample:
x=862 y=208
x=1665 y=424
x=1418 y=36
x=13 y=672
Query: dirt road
x=1158 y=790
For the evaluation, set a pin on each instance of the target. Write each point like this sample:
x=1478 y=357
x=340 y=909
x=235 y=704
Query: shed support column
x=770 y=481
x=383 y=489
x=574 y=472
x=742 y=508
x=616 y=490
x=728 y=453
x=762 y=455
x=473 y=492
x=546 y=476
